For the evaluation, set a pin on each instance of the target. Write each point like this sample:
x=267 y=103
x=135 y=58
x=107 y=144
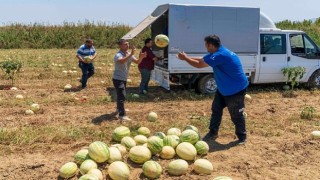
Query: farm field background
x=35 y=146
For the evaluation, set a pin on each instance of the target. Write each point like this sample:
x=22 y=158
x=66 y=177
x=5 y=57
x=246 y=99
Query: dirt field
x=35 y=146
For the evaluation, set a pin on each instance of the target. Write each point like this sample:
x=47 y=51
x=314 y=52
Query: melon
x=286 y=87
x=171 y=140
x=115 y=155
x=167 y=152
x=186 y=151
x=68 y=170
x=29 y=112
x=190 y=136
x=248 y=97
x=144 y=131
x=155 y=144
x=68 y=87
x=178 y=167
x=139 y=154
x=99 y=151
x=88 y=177
x=315 y=134
x=140 y=139
x=81 y=156
x=121 y=148
x=152 y=117
x=152 y=169
x=87 y=58
x=35 y=107
x=118 y=170
x=120 y=132
x=97 y=173
x=161 y=40
x=192 y=128
x=174 y=131
x=222 y=178
x=202 y=147
x=19 y=96
x=87 y=165
x=202 y=166
x=161 y=135
x=128 y=142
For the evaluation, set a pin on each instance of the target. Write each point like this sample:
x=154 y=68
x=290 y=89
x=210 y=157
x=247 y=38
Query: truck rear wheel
x=207 y=85
x=314 y=80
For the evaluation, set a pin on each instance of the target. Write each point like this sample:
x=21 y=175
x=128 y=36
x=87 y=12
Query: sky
x=131 y=12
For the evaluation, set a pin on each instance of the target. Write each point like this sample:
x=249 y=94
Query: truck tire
x=207 y=85
x=314 y=80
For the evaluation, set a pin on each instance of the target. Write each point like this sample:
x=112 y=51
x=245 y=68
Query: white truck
x=263 y=49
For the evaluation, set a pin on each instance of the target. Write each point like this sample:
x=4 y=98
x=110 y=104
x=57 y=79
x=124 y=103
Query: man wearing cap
x=231 y=82
x=87 y=68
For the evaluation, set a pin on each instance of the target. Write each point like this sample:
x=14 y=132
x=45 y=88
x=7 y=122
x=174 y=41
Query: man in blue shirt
x=87 y=68
x=232 y=84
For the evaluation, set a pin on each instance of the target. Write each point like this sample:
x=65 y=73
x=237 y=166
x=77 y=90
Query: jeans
x=235 y=105
x=87 y=72
x=120 y=87
x=145 y=78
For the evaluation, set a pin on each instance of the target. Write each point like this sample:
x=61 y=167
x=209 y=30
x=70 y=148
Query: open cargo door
x=147 y=21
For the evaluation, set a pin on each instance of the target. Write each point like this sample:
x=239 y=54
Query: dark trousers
x=235 y=105
x=145 y=78
x=120 y=87
x=87 y=72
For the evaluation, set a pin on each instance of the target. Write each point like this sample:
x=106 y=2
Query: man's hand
x=133 y=50
x=142 y=55
x=182 y=56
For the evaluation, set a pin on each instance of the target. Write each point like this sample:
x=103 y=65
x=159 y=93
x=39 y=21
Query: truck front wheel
x=314 y=80
x=207 y=85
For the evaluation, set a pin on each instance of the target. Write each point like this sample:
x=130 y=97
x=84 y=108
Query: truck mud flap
x=161 y=77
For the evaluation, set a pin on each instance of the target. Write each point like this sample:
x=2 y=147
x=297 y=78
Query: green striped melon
x=155 y=144
x=120 y=132
x=144 y=131
x=171 y=140
x=140 y=139
x=121 y=148
x=186 y=151
x=202 y=147
x=118 y=170
x=167 y=152
x=68 y=170
x=174 y=131
x=178 y=167
x=189 y=136
x=99 y=151
x=152 y=117
x=88 y=177
x=97 y=173
x=161 y=135
x=161 y=40
x=192 y=128
x=139 y=154
x=87 y=165
x=152 y=169
x=222 y=178
x=202 y=166
x=128 y=142
x=115 y=155
x=81 y=156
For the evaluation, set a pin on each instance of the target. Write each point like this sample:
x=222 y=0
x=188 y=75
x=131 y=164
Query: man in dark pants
x=231 y=82
x=146 y=66
x=122 y=61
x=87 y=68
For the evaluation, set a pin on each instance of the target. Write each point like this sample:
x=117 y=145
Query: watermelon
x=192 y=128
x=171 y=140
x=118 y=170
x=178 y=167
x=155 y=144
x=120 y=132
x=68 y=170
x=203 y=166
x=87 y=58
x=140 y=139
x=315 y=134
x=161 y=135
x=174 y=131
x=189 y=136
x=97 y=173
x=167 y=152
x=161 y=40
x=81 y=156
x=186 y=151
x=152 y=169
x=202 y=147
x=121 y=148
x=99 y=151
x=128 y=142
x=222 y=178
x=144 y=131
x=115 y=155
x=139 y=154
x=87 y=165
x=88 y=177
x=152 y=117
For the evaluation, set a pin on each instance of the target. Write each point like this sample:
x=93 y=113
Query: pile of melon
x=145 y=150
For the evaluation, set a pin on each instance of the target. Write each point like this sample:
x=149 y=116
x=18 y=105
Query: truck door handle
x=288 y=58
x=264 y=59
